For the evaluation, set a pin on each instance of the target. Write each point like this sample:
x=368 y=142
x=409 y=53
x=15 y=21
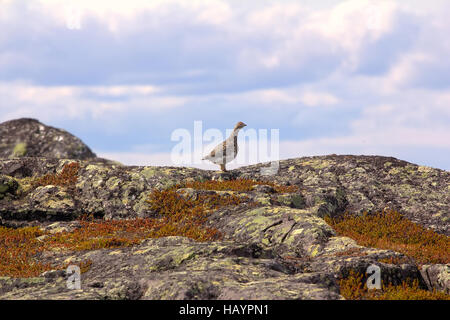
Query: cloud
x=48 y=103
x=407 y=129
x=196 y=46
x=346 y=76
x=285 y=97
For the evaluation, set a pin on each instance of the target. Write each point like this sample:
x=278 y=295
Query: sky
x=138 y=80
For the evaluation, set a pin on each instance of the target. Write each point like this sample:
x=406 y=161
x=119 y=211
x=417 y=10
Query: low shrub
x=390 y=230
x=66 y=178
x=353 y=287
x=241 y=185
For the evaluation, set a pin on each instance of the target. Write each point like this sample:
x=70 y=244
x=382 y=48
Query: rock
x=188 y=193
x=114 y=191
x=274 y=246
x=263 y=188
x=221 y=176
x=30 y=138
x=367 y=183
x=437 y=277
x=296 y=200
x=56 y=227
x=334 y=204
x=8 y=186
x=287 y=230
x=179 y=268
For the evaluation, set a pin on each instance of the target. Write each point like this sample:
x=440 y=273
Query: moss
x=313 y=250
x=3 y=188
x=149 y=172
x=298 y=201
x=318 y=164
x=263 y=200
x=62 y=203
x=112 y=183
x=8 y=185
x=20 y=149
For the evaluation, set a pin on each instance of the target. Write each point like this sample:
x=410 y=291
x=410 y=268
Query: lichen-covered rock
x=274 y=246
x=367 y=183
x=287 y=230
x=179 y=268
x=329 y=184
x=30 y=138
x=8 y=186
x=437 y=277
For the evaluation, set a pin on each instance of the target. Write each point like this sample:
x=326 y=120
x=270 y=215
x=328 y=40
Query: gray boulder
x=30 y=138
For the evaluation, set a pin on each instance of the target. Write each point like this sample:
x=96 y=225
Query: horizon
x=355 y=77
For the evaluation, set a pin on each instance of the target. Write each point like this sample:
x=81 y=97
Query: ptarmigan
x=227 y=150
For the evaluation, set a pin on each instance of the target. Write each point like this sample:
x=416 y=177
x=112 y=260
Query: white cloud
x=353 y=25
x=276 y=98
x=314 y=99
x=123 y=90
x=399 y=129
x=77 y=102
x=255 y=41
x=271 y=97
x=117 y=14
x=378 y=70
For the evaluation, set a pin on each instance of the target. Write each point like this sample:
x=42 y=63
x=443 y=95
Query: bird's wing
x=219 y=149
x=212 y=153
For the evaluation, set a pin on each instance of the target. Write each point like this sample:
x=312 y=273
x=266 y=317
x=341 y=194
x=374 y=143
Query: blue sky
x=343 y=77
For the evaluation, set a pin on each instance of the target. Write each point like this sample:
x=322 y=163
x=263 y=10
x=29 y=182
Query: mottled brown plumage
x=227 y=150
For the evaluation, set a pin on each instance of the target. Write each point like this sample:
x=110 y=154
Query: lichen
x=20 y=150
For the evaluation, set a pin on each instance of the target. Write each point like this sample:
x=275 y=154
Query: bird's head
x=239 y=125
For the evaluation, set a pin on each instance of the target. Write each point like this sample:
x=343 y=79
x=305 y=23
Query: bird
x=227 y=150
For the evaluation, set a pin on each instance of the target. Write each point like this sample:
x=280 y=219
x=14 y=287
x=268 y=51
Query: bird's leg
x=222 y=167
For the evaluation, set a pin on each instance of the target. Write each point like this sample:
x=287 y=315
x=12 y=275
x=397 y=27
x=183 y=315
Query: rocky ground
x=282 y=248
